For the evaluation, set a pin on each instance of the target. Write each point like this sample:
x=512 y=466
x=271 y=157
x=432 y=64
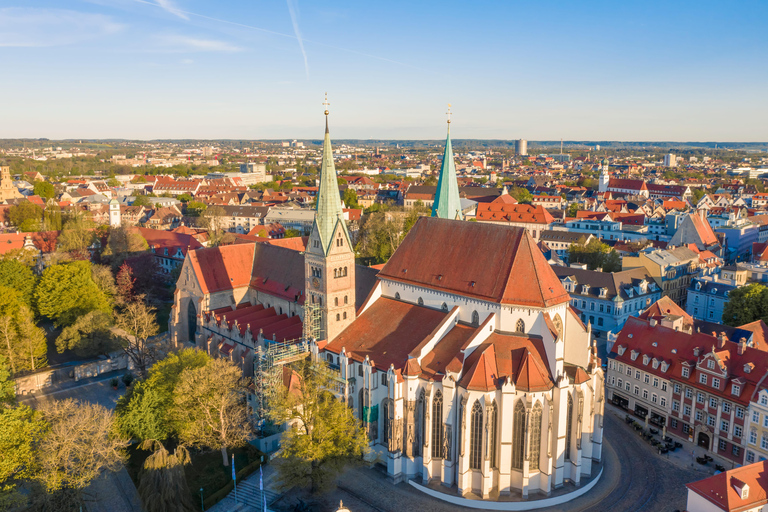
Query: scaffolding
x=269 y=361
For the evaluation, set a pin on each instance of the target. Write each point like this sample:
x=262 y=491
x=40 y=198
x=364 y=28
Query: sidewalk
x=684 y=457
x=249 y=498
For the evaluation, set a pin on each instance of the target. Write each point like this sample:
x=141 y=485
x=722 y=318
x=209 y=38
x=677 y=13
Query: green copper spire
x=328 y=206
x=447 y=204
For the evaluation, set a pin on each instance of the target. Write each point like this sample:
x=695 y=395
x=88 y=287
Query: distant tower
x=521 y=147
x=329 y=260
x=604 y=179
x=114 y=214
x=447 y=203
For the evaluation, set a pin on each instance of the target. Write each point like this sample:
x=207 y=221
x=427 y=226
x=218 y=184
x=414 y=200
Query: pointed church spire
x=328 y=206
x=447 y=204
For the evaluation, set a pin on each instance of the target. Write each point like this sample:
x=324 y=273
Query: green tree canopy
x=350 y=198
x=123 y=242
x=7 y=386
x=142 y=201
x=746 y=304
x=26 y=216
x=89 y=335
x=22 y=343
x=325 y=436
x=19 y=277
x=20 y=431
x=67 y=291
x=44 y=190
x=596 y=254
x=196 y=208
x=77 y=235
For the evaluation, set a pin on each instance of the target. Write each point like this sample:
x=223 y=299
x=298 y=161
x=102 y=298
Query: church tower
x=114 y=214
x=604 y=179
x=329 y=260
x=447 y=204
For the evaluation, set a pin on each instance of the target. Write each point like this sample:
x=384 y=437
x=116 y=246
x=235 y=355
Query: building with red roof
x=506 y=210
x=447 y=340
x=743 y=489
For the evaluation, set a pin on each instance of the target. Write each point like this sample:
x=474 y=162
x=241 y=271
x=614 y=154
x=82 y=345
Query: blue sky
x=583 y=70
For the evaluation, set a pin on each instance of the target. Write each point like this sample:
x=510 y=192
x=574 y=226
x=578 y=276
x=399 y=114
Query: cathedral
x=462 y=357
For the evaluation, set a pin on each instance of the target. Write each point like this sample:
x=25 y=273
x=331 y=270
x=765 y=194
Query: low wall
x=509 y=505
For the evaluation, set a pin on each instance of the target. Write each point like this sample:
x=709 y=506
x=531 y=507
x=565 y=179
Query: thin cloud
x=179 y=43
x=31 y=27
x=169 y=6
x=292 y=9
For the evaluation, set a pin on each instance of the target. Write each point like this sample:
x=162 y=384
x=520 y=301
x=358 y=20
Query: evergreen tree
x=68 y=291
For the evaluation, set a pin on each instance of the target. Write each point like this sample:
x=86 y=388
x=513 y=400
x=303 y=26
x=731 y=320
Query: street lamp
x=202 y=503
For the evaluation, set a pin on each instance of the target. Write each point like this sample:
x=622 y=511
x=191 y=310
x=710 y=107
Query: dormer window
x=655 y=363
x=698 y=286
x=664 y=367
x=747 y=368
x=686 y=372
x=603 y=292
x=646 y=359
x=622 y=349
x=585 y=289
x=634 y=354
x=735 y=389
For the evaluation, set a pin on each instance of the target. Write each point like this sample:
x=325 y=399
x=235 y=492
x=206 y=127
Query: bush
x=128 y=379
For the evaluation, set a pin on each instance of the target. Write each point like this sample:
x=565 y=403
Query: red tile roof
x=704 y=230
x=502 y=210
x=664 y=307
x=223 y=268
x=721 y=489
x=504 y=265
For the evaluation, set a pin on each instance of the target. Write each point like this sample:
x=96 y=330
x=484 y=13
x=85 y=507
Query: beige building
x=7 y=189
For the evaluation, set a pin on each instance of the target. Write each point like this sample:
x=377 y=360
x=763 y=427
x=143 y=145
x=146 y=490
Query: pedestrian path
x=249 y=497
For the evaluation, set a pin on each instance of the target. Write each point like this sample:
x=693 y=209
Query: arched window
x=344 y=315
x=568 y=431
x=330 y=358
x=520 y=326
x=475 y=318
x=360 y=405
x=345 y=271
x=346 y=300
x=192 y=320
x=476 y=437
x=422 y=412
x=397 y=296
x=535 y=437
x=385 y=421
x=335 y=301
x=437 y=425
x=281 y=310
x=421 y=301
x=444 y=307
x=518 y=436
x=338 y=317
x=335 y=272
x=493 y=420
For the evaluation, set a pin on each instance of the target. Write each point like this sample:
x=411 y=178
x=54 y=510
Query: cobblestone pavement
x=636 y=478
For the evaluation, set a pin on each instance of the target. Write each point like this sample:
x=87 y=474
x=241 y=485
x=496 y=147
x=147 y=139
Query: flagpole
x=261 y=488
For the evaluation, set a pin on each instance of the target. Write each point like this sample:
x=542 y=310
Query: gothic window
x=385 y=421
x=344 y=315
x=335 y=272
x=345 y=271
x=360 y=371
x=346 y=299
x=535 y=436
x=330 y=358
x=335 y=301
x=520 y=326
x=445 y=307
x=437 y=425
x=568 y=428
x=397 y=296
x=475 y=318
x=338 y=317
x=422 y=412
x=476 y=437
x=360 y=404
x=493 y=420
x=421 y=301
x=518 y=436
x=191 y=320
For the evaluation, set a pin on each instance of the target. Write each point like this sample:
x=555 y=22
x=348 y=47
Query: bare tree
x=162 y=483
x=79 y=445
x=139 y=321
x=210 y=408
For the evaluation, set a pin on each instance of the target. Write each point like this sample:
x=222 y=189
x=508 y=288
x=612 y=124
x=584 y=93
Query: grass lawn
x=206 y=469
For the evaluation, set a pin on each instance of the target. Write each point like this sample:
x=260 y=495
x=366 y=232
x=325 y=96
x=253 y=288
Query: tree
x=90 y=335
x=211 y=218
x=162 y=483
x=20 y=431
x=144 y=270
x=123 y=241
x=142 y=201
x=78 y=234
x=292 y=233
x=144 y=412
x=44 y=190
x=573 y=208
x=595 y=254
x=350 y=198
x=324 y=437
x=196 y=208
x=184 y=198
x=746 y=304
x=7 y=386
x=140 y=323
x=102 y=276
x=80 y=444
x=26 y=216
x=522 y=195
x=67 y=291
x=124 y=283
x=22 y=343
x=19 y=277
x=210 y=409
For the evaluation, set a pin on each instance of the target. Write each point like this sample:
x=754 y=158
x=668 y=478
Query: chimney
x=742 y=346
x=653 y=322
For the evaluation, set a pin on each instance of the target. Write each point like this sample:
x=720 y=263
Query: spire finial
x=326 y=104
x=449 y=113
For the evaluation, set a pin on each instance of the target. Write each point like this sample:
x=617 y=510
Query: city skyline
x=174 y=69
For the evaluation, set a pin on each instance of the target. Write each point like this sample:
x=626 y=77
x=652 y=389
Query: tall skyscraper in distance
x=521 y=147
x=670 y=160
